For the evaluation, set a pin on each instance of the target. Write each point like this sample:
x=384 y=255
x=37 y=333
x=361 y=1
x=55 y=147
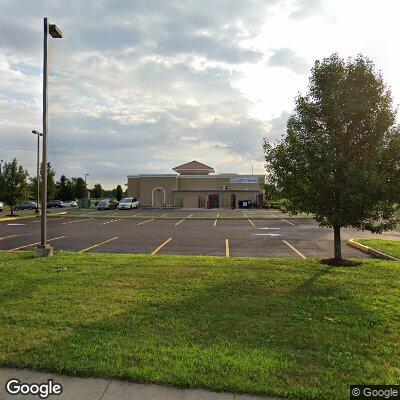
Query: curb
x=369 y=250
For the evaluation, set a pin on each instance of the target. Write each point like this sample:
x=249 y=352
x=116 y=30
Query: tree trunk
x=337 y=243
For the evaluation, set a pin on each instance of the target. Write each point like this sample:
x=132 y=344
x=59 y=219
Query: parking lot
x=178 y=232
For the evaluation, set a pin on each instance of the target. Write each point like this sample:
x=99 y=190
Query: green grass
x=391 y=247
x=294 y=328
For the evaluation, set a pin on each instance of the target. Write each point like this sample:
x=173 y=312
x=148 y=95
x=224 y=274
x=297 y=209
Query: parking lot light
x=39 y=134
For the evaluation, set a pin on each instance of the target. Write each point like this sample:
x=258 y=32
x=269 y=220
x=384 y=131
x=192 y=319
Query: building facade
x=195 y=185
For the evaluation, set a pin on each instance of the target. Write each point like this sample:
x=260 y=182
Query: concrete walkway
x=105 y=389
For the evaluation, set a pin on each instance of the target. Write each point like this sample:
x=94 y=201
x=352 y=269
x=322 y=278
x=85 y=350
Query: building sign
x=253 y=179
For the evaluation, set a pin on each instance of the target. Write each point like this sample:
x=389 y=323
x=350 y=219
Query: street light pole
x=44 y=249
x=37 y=169
x=87 y=192
x=1 y=164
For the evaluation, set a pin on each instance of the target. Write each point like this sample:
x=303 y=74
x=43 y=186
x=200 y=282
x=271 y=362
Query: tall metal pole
x=38 y=173
x=1 y=163
x=44 y=151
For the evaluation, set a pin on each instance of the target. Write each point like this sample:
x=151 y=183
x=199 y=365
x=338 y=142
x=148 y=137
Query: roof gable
x=193 y=167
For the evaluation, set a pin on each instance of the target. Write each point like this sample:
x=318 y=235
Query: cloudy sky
x=141 y=86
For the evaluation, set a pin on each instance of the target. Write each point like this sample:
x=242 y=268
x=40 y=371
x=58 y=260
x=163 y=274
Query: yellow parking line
x=6 y=237
x=290 y=223
x=98 y=244
x=78 y=220
x=34 y=244
x=160 y=247
x=179 y=222
x=215 y=222
x=251 y=223
x=294 y=249
x=227 y=252
x=141 y=223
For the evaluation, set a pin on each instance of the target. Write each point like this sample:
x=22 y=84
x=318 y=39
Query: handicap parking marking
x=179 y=222
x=288 y=222
x=97 y=245
x=294 y=249
x=144 y=222
x=160 y=247
x=34 y=244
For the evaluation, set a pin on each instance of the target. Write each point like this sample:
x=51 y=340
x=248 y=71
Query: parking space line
x=7 y=237
x=98 y=244
x=160 y=247
x=251 y=223
x=163 y=215
x=294 y=249
x=34 y=244
x=78 y=220
x=110 y=222
x=190 y=215
x=179 y=222
x=290 y=223
x=215 y=222
x=141 y=223
x=244 y=214
x=227 y=251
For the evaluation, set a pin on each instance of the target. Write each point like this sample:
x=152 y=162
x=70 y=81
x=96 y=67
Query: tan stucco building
x=195 y=185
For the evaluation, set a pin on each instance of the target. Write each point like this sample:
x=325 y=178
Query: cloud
x=306 y=8
x=287 y=58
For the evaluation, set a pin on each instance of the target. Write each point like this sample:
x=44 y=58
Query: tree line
x=16 y=186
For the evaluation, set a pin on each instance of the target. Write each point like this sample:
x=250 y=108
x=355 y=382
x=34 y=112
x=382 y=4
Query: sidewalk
x=104 y=389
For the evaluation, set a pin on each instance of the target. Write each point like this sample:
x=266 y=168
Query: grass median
x=293 y=328
x=391 y=247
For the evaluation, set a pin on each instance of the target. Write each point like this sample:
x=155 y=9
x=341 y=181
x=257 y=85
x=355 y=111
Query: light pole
x=87 y=192
x=1 y=164
x=37 y=169
x=252 y=169
x=44 y=249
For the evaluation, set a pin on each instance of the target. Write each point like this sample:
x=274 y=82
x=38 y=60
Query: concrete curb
x=369 y=250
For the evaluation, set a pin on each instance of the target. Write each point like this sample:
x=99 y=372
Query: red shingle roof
x=193 y=166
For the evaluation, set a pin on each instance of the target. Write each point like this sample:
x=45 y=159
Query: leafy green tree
x=79 y=188
x=97 y=191
x=64 y=189
x=119 y=193
x=13 y=184
x=340 y=158
x=51 y=185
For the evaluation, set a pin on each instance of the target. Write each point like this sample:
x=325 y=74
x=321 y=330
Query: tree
x=340 y=158
x=119 y=193
x=51 y=184
x=13 y=184
x=97 y=191
x=79 y=188
x=64 y=189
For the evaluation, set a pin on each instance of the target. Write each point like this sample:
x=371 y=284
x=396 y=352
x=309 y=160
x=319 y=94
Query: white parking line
x=290 y=223
x=163 y=215
x=215 y=222
x=141 y=223
x=110 y=222
x=78 y=220
x=294 y=249
x=7 y=237
x=190 y=215
x=34 y=244
x=251 y=223
x=160 y=247
x=179 y=222
x=98 y=244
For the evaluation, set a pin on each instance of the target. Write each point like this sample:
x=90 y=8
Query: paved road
x=105 y=389
x=294 y=238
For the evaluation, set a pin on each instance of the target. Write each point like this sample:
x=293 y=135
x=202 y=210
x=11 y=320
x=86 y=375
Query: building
x=195 y=185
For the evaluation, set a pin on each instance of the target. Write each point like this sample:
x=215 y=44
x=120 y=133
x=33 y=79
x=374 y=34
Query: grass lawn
x=391 y=247
x=294 y=328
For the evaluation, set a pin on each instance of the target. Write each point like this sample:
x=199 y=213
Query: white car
x=71 y=204
x=128 y=203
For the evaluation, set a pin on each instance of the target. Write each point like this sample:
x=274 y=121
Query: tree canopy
x=340 y=157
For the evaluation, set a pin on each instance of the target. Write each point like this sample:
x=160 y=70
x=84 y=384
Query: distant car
x=29 y=205
x=128 y=203
x=55 y=204
x=107 y=204
x=1 y=206
x=71 y=204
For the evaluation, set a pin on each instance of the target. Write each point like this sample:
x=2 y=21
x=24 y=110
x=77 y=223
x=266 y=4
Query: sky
x=143 y=86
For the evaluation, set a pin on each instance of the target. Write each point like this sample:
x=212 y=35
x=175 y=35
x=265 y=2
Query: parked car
x=107 y=204
x=29 y=205
x=1 y=206
x=128 y=203
x=71 y=204
x=55 y=204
